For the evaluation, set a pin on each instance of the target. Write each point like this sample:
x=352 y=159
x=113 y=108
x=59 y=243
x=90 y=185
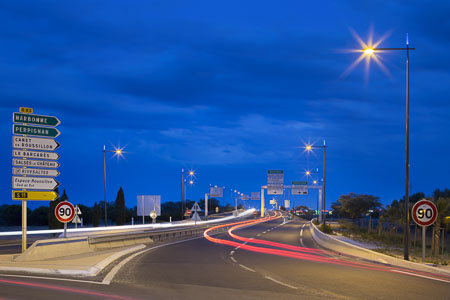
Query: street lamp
x=191 y=175
x=310 y=148
x=119 y=153
x=370 y=52
x=316 y=182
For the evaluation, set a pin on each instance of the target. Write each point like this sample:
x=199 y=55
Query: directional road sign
x=35 y=163
x=35 y=131
x=34 y=195
x=275 y=182
x=34 y=183
x=299 y=188
x=35 y=154
x=35 y=119
x=256 y=195
x=424 y=213
x=64 y=211
x=35 y=172
x=33 y=143
x=215 y=191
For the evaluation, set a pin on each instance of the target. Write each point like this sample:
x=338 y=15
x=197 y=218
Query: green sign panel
x=36 y=131
x=275 y=172
x=35 y=119
x=299 y=182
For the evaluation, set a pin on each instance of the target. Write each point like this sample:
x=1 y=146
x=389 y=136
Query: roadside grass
x=391 y=242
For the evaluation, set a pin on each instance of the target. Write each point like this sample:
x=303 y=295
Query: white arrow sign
x=34 y=143
x=36 y=154
x=34 y=183
x=35 y=163
x=35 y=172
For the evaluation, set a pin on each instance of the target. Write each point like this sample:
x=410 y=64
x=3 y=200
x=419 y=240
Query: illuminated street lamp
x=369 y=52
x=119 y=153
x=310 y=148
x=191 y=175
x=316 y=182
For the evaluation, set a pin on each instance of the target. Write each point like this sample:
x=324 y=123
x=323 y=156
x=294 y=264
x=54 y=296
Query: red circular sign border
x=414 y=212
x=61 y=204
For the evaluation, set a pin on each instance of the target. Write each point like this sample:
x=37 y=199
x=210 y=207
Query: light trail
x=298 y=252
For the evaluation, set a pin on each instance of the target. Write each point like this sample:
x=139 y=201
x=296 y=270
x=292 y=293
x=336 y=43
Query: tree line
x=117 y=212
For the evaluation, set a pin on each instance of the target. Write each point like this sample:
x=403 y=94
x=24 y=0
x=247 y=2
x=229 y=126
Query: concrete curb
x=337 y=245
x=92 y=271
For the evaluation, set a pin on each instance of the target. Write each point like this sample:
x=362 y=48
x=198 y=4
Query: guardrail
x=53 y=248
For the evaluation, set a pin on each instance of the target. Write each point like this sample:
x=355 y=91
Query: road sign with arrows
x=35 y=131
x=35 y=119
x=34 y=143
x=34 y=183
x=35 y=154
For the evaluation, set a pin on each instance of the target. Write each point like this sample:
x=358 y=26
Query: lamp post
x=316 y=182
x=117 y=152
x=309 y=148
x=370 y=52
x=191 y=175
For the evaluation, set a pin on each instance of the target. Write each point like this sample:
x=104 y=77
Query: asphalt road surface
x=201 y=269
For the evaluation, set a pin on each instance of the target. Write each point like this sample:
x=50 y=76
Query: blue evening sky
x=230 y=89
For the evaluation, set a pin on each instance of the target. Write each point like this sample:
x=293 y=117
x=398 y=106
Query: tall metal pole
x=324 y=215
x=182 y=194
x=406 y=230
x=317 y=191
x=104 y=182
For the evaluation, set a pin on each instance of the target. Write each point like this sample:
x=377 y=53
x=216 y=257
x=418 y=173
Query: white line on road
x=232 y=252
x=233 y=259
x=259 y=234
x=264 y=232
x=301 y=235
x=247 y=268
x=418 y=275
x=282 y=283
x=109 y=277
x=51 y=278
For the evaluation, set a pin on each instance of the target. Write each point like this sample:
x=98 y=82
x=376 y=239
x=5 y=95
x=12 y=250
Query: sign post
x=424 y=213
x=29 y=153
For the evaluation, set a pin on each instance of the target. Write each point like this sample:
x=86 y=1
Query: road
x=200 y=269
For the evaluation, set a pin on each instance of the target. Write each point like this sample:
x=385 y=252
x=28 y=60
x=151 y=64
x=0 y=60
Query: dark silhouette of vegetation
x=96 y=215
x=53 y=223
x=119 y=208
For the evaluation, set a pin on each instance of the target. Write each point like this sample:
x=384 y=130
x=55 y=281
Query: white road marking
x=259 y=234
x=264 y=232
x=109 y=277
x=247 y=268
x=418 y=275
x=301 y=235
x=232 y=252
x=282 y=283
x=51 y=278
x=233 y=259
x=237 y=247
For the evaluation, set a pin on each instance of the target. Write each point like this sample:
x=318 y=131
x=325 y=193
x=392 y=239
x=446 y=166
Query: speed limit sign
x=64 y=212
x=424 y=213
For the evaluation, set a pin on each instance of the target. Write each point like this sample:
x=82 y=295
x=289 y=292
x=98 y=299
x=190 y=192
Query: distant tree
x=86 y=213
x=355 y=205
x=53 y=223
x=11 y=215
x=443 y=208
x=39 y=216
x=96 y=215
x=119 y=207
